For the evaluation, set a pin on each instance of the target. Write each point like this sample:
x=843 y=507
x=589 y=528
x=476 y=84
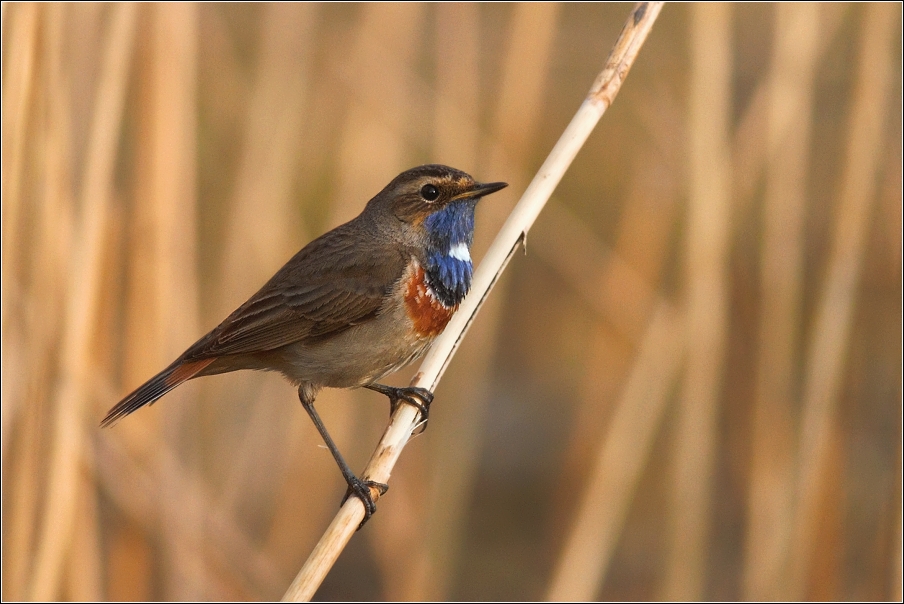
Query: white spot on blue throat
x=460 y=251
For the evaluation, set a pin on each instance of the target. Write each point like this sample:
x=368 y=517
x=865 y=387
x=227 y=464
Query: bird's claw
x=419 y=398
x=361 y=489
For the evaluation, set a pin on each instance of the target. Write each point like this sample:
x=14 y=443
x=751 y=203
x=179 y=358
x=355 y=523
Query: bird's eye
x=429 y=193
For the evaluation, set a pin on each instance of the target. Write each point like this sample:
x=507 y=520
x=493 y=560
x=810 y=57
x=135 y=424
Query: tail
x=155 y=387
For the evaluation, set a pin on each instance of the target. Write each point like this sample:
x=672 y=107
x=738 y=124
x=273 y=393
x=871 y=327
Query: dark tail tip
x=145 y=395
x=154 y=388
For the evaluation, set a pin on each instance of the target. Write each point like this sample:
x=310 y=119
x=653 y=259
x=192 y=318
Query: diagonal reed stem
x=513 y=232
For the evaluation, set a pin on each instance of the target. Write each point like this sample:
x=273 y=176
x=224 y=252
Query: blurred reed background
x=690 y=387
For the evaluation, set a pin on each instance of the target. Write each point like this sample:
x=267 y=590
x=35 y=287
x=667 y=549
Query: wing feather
x=335 y=282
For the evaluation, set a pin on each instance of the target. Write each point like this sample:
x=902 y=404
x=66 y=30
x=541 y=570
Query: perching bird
x=352 y=306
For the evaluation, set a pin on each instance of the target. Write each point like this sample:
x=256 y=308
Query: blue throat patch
x=447 y=276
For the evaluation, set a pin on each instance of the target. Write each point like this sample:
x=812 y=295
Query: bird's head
x=434 y=205
x=437 y=200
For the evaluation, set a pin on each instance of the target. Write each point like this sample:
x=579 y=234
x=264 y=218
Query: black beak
x=481 y=189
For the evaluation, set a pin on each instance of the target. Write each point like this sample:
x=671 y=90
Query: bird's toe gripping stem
x=419 y=398
x=361 y=489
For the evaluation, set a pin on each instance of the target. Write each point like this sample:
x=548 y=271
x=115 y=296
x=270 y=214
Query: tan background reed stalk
x=706 y=301
x=789 y=130
x=159 y=162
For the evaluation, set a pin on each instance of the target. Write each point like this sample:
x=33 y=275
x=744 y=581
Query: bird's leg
x=420 y=398
x=357 y=487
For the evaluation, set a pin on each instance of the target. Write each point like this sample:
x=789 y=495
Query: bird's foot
x=419 y=398
x=361 y=489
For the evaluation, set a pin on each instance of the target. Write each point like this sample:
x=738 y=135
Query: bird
x=352 y=306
